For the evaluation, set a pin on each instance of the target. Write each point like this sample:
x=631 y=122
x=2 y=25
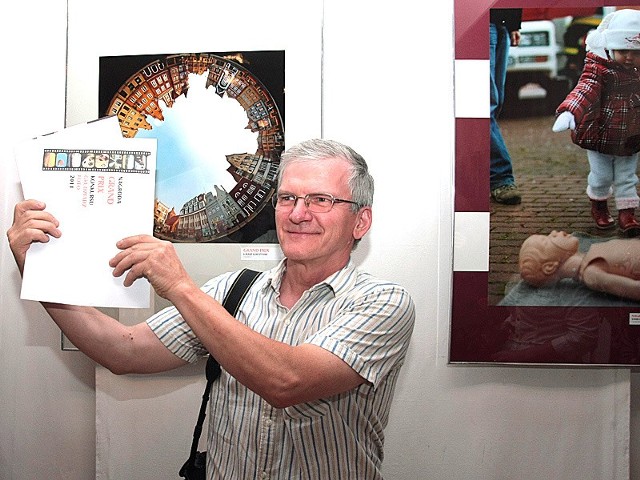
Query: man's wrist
x=181 y=291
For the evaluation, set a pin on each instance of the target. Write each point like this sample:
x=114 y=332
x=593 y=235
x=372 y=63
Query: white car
x=532 y=69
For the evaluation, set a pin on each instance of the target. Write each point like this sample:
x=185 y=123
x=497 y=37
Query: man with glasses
x=309 y=365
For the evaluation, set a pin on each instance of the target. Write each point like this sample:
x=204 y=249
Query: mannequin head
x=542 y=255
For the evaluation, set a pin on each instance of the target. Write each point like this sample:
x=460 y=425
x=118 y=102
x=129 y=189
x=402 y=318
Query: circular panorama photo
x=217 y=119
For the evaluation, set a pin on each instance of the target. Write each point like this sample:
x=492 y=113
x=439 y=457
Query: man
x=504 y=31
x=311 y=361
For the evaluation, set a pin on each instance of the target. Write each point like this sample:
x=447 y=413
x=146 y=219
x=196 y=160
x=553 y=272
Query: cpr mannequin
x=612 y=266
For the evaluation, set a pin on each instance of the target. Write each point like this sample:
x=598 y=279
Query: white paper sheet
x=98 y=200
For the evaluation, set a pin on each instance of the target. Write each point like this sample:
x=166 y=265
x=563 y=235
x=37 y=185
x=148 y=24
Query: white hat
x=619 y=30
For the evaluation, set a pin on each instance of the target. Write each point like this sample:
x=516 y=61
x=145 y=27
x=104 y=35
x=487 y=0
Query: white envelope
x=100 y=186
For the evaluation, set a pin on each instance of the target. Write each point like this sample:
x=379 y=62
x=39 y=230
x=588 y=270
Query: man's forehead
x=330 y=169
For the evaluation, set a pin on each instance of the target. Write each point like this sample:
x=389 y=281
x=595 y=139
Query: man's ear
x=363 y=222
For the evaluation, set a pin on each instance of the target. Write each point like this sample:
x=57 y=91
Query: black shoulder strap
x=231 y=302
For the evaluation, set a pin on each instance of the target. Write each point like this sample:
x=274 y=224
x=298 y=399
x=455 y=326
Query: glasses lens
x=319 y=203
x=283 y=201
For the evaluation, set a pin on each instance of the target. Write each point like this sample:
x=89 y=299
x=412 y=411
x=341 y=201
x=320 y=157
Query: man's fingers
x=132 y=275
x=129 y=242
x=32 y=230
x=126 y=260
x=31 y=214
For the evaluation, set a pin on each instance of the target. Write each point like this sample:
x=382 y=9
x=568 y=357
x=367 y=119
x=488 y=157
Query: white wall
x=387 y=91
x=47 y=411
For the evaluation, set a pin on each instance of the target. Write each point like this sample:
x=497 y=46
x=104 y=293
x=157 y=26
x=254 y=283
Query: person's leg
x=501 y=180
x=625 y=184
x=599 y=189
x=625 y=181
x=499 y=44
x=600 y=178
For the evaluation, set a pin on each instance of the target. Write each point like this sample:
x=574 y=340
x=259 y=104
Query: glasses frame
x=307 y=201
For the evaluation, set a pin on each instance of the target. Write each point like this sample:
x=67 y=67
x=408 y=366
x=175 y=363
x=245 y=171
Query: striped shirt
x=366 y=322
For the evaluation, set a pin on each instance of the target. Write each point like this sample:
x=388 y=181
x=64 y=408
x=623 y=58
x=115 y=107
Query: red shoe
x=600 y=213
x=628 y=223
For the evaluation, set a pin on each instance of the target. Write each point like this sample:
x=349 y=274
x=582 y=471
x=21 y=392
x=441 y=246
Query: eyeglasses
x=315 y=202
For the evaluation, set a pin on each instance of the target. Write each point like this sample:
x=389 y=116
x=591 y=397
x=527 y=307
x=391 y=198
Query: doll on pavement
x=603 y=114
x=612 y=266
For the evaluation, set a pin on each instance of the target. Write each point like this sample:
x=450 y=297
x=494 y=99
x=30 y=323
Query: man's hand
x=31 y=223
x=144 y=256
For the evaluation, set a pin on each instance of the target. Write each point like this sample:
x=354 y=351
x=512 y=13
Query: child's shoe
x=600 y=213
x=628 y=223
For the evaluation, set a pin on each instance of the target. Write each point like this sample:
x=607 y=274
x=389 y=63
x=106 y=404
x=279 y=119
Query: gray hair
x=360 y=180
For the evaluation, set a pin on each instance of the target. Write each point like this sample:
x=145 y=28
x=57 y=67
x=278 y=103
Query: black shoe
x=507 y=194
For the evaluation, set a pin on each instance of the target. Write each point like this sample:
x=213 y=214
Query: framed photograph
x=572 y=311
x=211 y=89
x=224 y=94
x=218 y=118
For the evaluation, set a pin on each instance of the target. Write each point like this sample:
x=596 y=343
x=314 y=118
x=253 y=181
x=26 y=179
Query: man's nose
x=300 y=209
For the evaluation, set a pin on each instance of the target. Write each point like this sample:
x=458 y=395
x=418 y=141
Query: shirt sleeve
x=174 y=332
x=371 y=333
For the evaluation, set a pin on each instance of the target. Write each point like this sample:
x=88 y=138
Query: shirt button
x=264 y=475
x=268 y=422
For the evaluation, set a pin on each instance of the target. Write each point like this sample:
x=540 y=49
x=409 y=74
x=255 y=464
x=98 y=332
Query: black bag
x=195 y=468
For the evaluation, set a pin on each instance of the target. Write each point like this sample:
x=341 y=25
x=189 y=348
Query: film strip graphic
x=124 y=161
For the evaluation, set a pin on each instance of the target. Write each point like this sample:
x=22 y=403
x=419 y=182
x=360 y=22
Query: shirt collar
x=341 y=281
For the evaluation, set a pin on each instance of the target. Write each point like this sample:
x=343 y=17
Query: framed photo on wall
x=573 y=313
x=211 y=87
x=219 y=120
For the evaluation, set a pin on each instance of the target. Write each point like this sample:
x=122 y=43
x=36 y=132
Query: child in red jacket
x=603 y=112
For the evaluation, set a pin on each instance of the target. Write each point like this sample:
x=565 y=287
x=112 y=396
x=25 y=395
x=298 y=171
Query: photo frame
x=496 y=317
x=218 y=118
